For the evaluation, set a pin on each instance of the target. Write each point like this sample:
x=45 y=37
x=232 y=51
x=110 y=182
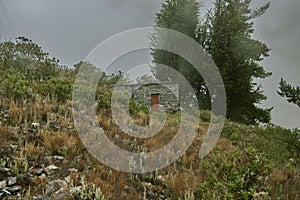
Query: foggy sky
x=70 y=29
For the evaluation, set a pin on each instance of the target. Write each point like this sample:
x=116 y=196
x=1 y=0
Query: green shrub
x=15 y=85
x=234 y=175
x=232 y=131
x=58 y=88
x=135 y=108
x=205 y=115
x=278 y=143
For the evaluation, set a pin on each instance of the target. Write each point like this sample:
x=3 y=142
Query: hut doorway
x=155 y=102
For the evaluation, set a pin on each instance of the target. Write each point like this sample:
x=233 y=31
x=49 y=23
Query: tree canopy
x=291 y=93
x=225 y=33
x=181 y=16
x=227 y=38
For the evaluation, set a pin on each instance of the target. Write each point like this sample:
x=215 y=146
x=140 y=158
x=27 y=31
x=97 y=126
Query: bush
x=235 y=175
x=58 y=88
x=15 y=85
x=135 y=108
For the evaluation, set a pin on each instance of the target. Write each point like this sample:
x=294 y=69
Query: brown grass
x=33 y=151
x=56 y=141
x=180 y=181
x=5 y=137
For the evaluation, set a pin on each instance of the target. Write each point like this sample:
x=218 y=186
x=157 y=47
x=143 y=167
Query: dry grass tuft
x=180 y=181
x=33 y=151
x=56 y=142
x=5 y=137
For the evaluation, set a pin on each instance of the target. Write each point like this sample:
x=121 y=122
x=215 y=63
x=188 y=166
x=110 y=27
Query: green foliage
x=14 y=85
x=274 y=139
x=181 y=16
x=58 y=88
x=226 y=35
x=25 y=70
x=135 y=108
x=291 y=93
x=269 y=139
x=205 y=115
x=27 y=58
x=104 y=89
x=232 y=131
x=235 y=175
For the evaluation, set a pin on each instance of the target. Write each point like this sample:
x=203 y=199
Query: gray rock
x=130 y=189
x=59 y=157
x=3 y=184
x=57 y=189
x=73 y=170
x=37 y=171
x=14 y=189
x=11 y=181
x=61 y=195
x=51 y=167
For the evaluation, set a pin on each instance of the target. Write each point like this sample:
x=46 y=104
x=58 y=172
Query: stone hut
x=149 y=94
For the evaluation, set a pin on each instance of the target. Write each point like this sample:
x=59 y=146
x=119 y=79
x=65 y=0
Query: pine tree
x=291 y=93
x=181 y=16
x=226 y=36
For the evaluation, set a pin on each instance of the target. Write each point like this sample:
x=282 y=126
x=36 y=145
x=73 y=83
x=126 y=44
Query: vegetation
x=181 y=16
x=42 y=156
x=245 y=164
x=227 y=38
x=291 y=93
x=225 y=33
x=235 y=175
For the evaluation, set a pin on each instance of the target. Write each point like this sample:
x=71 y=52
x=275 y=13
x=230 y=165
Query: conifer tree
x=181 y=16
x=227 y=37
x=291 y=93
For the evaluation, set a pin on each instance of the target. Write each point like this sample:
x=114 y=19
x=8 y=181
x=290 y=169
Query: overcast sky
x=70 y=29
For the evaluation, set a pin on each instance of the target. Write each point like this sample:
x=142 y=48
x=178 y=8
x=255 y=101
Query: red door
x=154 y=102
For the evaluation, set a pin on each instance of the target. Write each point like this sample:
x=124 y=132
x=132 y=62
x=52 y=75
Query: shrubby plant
x=87 y=191
x=235 y=175
x=15 y=85
x=58 y=88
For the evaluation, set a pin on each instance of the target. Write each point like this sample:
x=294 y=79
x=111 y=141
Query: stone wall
x=141 y=93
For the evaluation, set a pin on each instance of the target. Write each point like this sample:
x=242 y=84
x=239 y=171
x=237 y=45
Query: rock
x=35 y=124
x=3 y=184
x=50 y=168
x=58 y=189
x=11 y=181
x=148 y=184
x=6 y=169
x=37 y=171
x=14 y=189
x=13 y=146
x=68 y=179
x=130 y=189
x=61 y=195
x=59 y=157
x=73 y=170
x=76 y=189
x=6 y=192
